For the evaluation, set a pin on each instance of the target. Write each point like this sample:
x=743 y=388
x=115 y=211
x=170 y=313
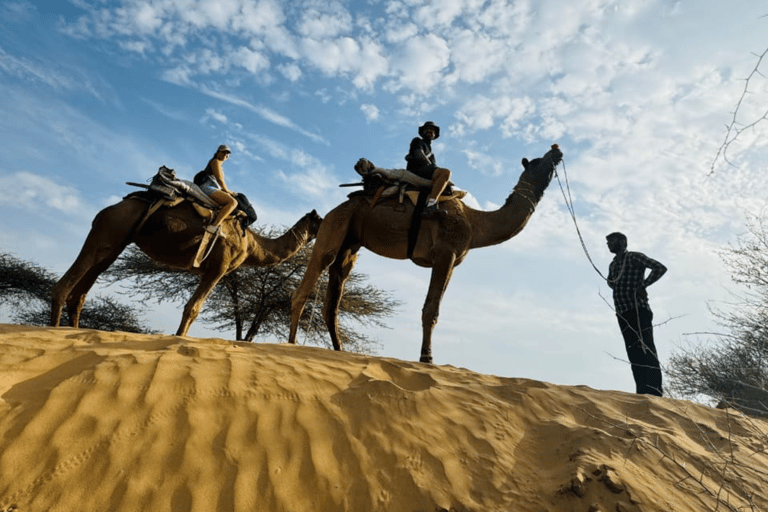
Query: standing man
x=626 y=276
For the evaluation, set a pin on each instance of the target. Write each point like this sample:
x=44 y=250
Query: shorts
x=208 y=190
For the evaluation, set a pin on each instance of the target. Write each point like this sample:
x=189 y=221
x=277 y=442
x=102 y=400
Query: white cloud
x=324 y=20
x=211 y=113
x=476 y=56
x=176 y=115
x=254 y=61
x=262 y=111
x=312 y=179
x=363 y=60
x=33 y=192
x=445 y=12
x=259 y=17
x=397 y=33
x=147 y=17
x=483 y=113
x=17 y=10
x=371 y=112
x=483 y=163
x=290 y=71
x=420 y=62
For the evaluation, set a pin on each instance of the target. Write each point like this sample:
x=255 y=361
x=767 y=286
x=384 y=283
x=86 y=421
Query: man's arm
x=418 y=152
x=657 y=269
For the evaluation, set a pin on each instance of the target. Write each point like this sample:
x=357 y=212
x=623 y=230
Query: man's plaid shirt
x=626 y=275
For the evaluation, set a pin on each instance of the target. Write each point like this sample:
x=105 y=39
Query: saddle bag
x=245 y=206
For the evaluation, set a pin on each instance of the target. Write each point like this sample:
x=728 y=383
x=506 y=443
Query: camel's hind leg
x=337 y=275
x=208 y=282
x=109 y=236
x=330 y=238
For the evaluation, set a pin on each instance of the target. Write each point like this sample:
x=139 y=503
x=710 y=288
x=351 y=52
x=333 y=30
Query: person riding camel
x=211 y=181
x=421 y=161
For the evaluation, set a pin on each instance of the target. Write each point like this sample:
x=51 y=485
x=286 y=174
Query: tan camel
x=170 y=236
x=443 y=242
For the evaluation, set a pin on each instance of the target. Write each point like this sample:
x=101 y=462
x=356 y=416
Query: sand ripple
x=93 y=421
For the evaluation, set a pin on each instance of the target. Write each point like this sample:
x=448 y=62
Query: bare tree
x=732 y=368
x=736 y=127
x=25 y=288
x=23 y=282
x=102 y=313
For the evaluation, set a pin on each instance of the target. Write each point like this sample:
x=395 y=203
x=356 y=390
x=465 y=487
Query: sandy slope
x=94 y=421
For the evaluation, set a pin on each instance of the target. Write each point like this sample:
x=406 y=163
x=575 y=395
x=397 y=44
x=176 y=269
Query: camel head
x=538 y=172
x=314 y=220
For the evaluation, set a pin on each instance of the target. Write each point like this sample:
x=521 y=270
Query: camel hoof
x=425 y=359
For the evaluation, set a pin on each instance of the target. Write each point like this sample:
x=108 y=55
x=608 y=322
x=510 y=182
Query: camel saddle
x=381 y=183
x=172 y=190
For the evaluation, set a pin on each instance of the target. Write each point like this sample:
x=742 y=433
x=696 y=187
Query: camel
x=443 y=242
x=171 y=236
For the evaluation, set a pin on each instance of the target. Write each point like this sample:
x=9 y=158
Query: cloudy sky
x=638 y=94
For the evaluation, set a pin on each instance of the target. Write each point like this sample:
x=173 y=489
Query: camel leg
x=328 y=242
x=208 y=282
x=442 y=269
x=109 y=236
x=337 y=275
x=77 y=294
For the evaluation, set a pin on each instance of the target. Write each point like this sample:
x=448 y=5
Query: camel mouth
x=554 y=155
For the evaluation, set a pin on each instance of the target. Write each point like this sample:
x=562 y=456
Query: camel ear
x=525 y=162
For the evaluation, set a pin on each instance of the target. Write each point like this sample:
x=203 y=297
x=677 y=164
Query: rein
x=569 y=204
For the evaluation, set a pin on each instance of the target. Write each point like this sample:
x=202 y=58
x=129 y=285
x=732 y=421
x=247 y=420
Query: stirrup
x=431 y=211
x=214 y=231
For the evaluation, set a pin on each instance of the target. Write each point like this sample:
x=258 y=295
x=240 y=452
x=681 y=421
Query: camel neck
x=498 y=226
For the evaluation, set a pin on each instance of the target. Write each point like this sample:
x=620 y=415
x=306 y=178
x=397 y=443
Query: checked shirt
x=626 y=275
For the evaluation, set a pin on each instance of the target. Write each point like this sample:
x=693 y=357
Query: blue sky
x=636 y=92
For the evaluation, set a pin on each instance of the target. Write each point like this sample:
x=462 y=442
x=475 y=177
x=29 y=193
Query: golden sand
x=97 y=421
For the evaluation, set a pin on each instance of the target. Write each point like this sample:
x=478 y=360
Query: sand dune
x=95 y=421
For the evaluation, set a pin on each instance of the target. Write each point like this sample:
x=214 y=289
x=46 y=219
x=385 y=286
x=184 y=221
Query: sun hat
x=429 y=124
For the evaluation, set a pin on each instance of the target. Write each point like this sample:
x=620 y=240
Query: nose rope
x=569 y=204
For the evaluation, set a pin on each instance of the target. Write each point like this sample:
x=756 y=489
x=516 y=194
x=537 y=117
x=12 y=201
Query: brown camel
x=170 y=236
x=443 y=242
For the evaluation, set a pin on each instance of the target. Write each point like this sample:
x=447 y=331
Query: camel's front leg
x=337 y=276
x=328 y=243
x=442 y=269
x=208 y=282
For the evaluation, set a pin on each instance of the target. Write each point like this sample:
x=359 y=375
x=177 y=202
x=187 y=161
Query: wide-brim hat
x=224 y=148
x=429 y=124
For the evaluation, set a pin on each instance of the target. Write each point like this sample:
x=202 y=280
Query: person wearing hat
x=211 y=181
x=421 y=161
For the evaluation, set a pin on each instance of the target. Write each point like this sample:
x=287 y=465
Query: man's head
x=617 y=242
x=429 y=126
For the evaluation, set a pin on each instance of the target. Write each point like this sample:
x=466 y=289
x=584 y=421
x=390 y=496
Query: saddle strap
x=413 y=229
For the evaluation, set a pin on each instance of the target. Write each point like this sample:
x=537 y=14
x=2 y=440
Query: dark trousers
x=637 y=329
